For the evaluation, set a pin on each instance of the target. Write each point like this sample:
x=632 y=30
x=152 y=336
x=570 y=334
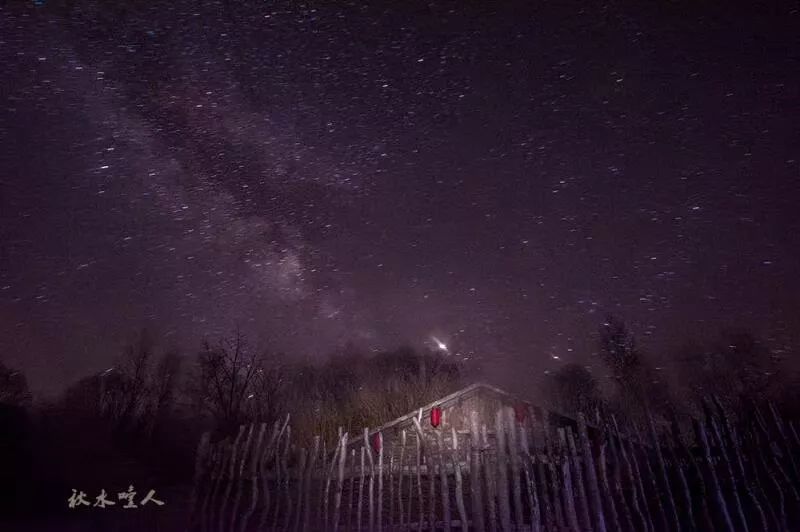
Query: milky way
x=497 y=178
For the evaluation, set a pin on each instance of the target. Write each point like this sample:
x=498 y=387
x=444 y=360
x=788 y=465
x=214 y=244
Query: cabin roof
x=444 y=402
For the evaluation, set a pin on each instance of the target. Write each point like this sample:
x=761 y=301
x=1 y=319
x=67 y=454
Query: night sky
x=497 y=176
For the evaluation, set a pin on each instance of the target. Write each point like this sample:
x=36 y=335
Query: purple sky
x=499 y=177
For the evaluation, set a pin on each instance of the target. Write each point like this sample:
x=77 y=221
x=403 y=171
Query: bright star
x=439 y=344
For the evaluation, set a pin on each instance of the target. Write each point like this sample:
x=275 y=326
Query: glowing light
x=439 y=344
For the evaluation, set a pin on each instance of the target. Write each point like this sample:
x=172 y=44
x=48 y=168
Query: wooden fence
x=515 y=475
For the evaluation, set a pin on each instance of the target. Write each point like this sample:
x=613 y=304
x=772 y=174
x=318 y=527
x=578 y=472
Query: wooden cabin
x=455 y=413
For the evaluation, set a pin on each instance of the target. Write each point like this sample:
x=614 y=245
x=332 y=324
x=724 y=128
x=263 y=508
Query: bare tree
x=162 y=389
x=638 y=386
x=234 y=384
x=739 y=370
x=135 y=382
x=573 y=389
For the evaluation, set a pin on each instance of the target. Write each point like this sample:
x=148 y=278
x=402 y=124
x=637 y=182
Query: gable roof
x=469 y=391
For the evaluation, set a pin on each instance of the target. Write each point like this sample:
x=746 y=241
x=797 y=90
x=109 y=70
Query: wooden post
x=662 y=469
x=252 y=473
x=301 y=489
x=785 y=443
x=361 y=491
x=421 y=516
x=400 y=479
x=310 y=474
x=775 y=451
x=673 y=448
x=445 y=488
x=769 y=473
x=430 y=468
x=580 y=485
x=728 y=433
x=380 y=488
x=351 y=491
x=502 y=472
x=555 y=489
x=289 y=505
x=371 y=481
x=513 y=447
x=339 y=483
x=635 y=478
x=475 y=474
x=723 y=505
x=725 y=458
x=270 y=453
x=462 y=511
x=201 y=463
x=533 y=500
x=650 y=475
x=217 y=465
x=612 y=506
x=617 y=479
x=230 y=479
x=328 y=471
x=391 y=489
x=591 y=474
x=240 y=478
x=490 y=482
x=569 y=499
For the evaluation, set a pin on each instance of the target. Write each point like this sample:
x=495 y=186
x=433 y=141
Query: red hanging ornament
x=377 y=442
x=436 y=416
x=520 y=412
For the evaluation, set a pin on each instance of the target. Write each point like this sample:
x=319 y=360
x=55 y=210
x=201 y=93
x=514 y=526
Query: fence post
x=240 y=477
x=418 y=475
x=617 y=474
x=513 y=450
x=391 y=489
x=555 y=485
x=530 y=480
x=662 y=468
x=723 y=506
x=729 y=431
x=230 y=479
x=475 y=474
x=352 y=490
x=302 y=466
x=502 y=472
x=380 y=487
x=309 y=482
x=580 y=484
x=201 y=463
x=371 y=481
x=400 y=508
x=462 y=511
x=445 y=488
x=588 y=459
x=289 y=507
x=569 y=498
x=491 y=482
x=339 y=483
x=635 y=478
x=722 y=448
x=361 y=491
x=328 y=477
x=252 y=473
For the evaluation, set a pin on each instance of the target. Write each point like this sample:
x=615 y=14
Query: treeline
x=141 y=419
x=738 y=371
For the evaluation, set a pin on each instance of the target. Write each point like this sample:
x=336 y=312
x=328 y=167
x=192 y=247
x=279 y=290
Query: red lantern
x=377 y=442
x=520 y=411
x=436 y=416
